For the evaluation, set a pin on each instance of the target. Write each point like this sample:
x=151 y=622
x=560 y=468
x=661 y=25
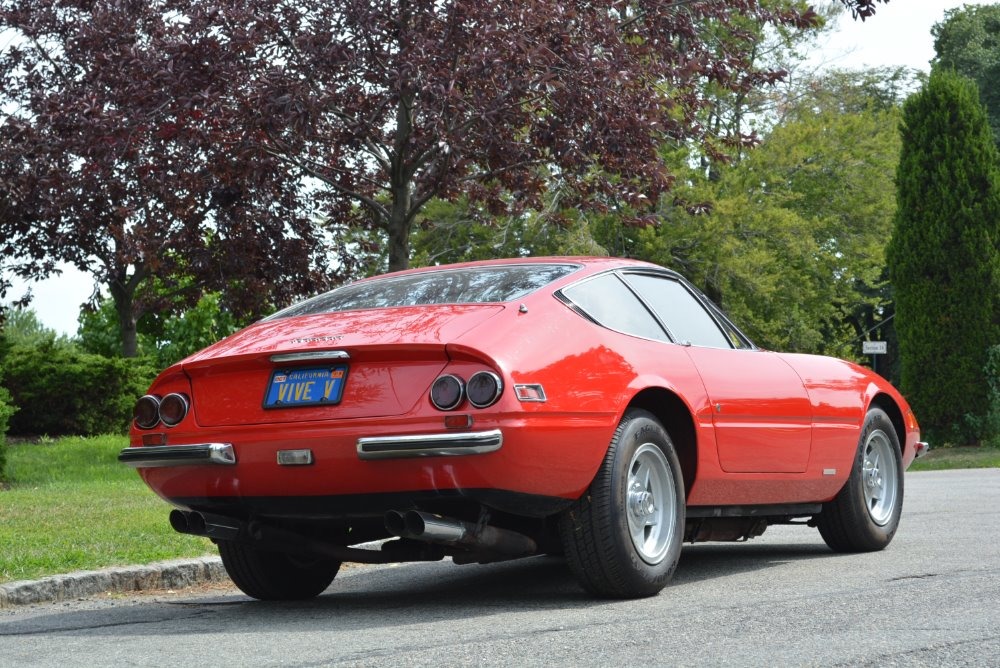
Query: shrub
x=61 y=390
x=6 y=410
x=991 y=435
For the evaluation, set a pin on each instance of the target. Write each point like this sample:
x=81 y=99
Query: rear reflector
x=462 y=421
x=529 y=393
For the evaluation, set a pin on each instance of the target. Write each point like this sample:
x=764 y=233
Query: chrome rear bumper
x=178 y=455
x=430 y=445
x=375 y=447
x=920 y=449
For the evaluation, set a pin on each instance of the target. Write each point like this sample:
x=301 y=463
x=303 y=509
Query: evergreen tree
x=943 y=256
x=968 y=41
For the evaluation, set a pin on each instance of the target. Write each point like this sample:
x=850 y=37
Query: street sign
x=874 y=348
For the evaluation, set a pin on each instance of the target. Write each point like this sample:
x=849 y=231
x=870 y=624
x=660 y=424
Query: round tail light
x=147 y=411
x=484 y=389
x=447 y=392
x=173 y=408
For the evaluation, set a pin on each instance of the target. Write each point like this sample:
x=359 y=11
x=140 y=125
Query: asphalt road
x=931 y=599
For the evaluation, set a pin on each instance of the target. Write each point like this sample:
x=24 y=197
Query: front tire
x=275 y=576
x=864 y=515
x=623 y=536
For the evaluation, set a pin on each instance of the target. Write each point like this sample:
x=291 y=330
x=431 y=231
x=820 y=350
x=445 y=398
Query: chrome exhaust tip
x=195 y=523
x=434 y=527
x=422 y=526
x=395 y=523
x=179 y=521
x=188 y=522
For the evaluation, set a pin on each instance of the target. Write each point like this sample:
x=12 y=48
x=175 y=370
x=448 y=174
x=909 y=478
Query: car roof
x=589 y=266
x=595 y=263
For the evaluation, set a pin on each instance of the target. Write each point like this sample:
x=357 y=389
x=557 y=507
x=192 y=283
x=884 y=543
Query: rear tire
x=275 y=576
x=623 y=536
x=865 y=514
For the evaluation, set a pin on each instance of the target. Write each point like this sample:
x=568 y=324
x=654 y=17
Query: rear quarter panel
x=589 y=373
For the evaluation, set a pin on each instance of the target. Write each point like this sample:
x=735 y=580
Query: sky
x=898 y=35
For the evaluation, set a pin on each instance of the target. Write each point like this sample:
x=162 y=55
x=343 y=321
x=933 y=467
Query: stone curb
x=162 y=575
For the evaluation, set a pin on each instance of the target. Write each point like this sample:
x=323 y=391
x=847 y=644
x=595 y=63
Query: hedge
x=6 y=410
x=60 y=390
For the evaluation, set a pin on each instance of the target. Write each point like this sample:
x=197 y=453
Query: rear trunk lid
x=380 y=362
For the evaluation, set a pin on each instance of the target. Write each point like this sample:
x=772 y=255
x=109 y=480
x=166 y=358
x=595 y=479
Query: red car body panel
x=768 y=428
x=397 y=353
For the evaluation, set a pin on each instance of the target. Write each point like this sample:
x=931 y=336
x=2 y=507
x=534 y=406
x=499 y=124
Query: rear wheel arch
x=623 y=537
x=676 y=418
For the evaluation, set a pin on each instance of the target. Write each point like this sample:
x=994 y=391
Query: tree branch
x=47 y=58
x=372 y=204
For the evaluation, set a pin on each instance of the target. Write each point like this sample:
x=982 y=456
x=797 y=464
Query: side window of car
x=682 y=312
x=609 y=302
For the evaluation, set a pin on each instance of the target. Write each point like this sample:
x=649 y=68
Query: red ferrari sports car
x=594 y=407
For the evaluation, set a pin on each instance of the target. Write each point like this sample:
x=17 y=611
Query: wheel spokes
x=879 y=479
x=650 y=503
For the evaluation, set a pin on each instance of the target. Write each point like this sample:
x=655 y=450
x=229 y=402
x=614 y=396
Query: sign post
x=874 y=348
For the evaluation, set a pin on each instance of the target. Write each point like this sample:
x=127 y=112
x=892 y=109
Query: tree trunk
x=123 y=289
x=127 y=325
x=399 y=228
x=400 y=185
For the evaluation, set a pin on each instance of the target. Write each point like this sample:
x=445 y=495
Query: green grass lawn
x=69 y=505
x=958 y=458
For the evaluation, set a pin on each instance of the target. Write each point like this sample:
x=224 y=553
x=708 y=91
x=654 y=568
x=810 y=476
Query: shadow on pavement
x=398 y=595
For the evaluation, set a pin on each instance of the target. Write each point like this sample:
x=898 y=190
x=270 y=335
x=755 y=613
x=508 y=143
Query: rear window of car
x=470 y=285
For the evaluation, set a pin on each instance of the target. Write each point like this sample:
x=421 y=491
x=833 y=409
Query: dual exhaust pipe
x=479 y=540
x=199 y=524
x=418 y=525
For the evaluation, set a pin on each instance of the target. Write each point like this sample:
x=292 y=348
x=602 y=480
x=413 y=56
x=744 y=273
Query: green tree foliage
x=735 y=115
x=943 y=257
x=163 y=338
x=968 y=41
x=7 y=409
x=992 y=423
x=22 y=326
x=791 y=239
x=98 y=332
x=85 y=386
x=196 y=328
